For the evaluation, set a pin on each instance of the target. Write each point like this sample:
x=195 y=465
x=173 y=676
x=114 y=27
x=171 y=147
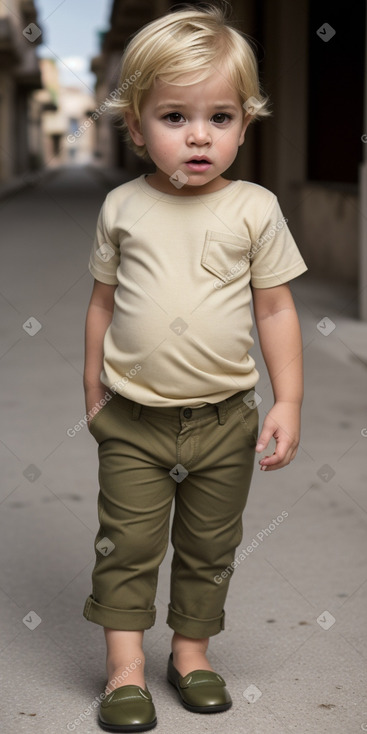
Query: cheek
x=232 y=141
x=229 y=145
x=153 y=135
x=163 y=143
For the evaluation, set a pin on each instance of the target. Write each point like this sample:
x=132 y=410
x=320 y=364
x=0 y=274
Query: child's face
x=179 y=123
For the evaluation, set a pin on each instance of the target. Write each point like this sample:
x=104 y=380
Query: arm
x=99 y=317
x=281 y=345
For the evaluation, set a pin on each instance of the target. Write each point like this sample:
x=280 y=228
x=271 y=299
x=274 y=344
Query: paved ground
x=294 y=649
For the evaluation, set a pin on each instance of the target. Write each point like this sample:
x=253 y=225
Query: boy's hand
x=282 y=422
x=93 y=397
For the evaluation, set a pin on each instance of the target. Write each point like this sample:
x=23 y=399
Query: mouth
x=198 y=163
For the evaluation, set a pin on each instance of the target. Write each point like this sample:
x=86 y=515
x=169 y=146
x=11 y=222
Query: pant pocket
x=94 y=421
x=249 y=419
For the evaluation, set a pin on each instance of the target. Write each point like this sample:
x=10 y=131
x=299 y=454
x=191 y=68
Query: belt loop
x=222 y=409
x=136 y=411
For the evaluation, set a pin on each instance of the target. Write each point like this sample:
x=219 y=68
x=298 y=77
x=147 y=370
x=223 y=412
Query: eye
x=221 y=117
x=174 y=117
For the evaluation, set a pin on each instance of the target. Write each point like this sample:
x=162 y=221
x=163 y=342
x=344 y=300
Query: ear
x=134 y=127
x=245 y=124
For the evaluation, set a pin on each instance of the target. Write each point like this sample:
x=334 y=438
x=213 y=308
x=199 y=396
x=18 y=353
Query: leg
x=134 y=506
x=206 y=530
x=189 y=654
x=125 y=658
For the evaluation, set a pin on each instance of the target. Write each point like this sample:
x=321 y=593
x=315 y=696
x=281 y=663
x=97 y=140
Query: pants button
x=187 y=412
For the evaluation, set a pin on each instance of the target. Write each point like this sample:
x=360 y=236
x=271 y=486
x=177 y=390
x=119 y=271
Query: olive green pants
x=204 y=459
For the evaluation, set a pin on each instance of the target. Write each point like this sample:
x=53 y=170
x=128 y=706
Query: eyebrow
x=218 y=106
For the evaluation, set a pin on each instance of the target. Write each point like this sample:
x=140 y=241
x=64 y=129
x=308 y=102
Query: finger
x=278 y=460
x=272 y=467
x=264 y=438
x=281 y=453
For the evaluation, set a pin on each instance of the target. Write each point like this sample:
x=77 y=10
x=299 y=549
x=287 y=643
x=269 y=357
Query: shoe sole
x=127 y=727
x=201 y=709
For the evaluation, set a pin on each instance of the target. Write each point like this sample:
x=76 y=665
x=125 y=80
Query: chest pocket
x=225 y=255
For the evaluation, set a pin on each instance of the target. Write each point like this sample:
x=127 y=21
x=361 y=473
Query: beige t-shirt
x=180 y=332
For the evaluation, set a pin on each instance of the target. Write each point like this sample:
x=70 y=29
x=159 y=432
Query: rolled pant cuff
x=118 y=619
x=193 y=627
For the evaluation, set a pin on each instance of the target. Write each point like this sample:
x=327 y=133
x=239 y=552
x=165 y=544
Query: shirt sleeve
x=105 y=254
x=275 y=257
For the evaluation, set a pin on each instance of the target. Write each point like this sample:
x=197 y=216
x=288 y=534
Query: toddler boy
x=169 y=380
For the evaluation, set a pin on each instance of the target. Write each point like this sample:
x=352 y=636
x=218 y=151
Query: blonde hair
x=192 y=40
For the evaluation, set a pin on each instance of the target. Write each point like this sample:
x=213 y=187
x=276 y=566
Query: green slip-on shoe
x=201 y=691
x=128 y=708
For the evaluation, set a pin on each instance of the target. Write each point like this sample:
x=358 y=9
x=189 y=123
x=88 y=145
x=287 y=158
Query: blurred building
x=310 y=152
x=127 y=16
x=20 y=114
x=67 y=134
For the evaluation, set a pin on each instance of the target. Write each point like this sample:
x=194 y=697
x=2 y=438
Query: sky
x=70 y=36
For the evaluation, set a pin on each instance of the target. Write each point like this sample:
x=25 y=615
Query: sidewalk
x=293 y=652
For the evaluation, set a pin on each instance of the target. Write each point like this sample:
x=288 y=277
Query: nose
x=199 y=133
